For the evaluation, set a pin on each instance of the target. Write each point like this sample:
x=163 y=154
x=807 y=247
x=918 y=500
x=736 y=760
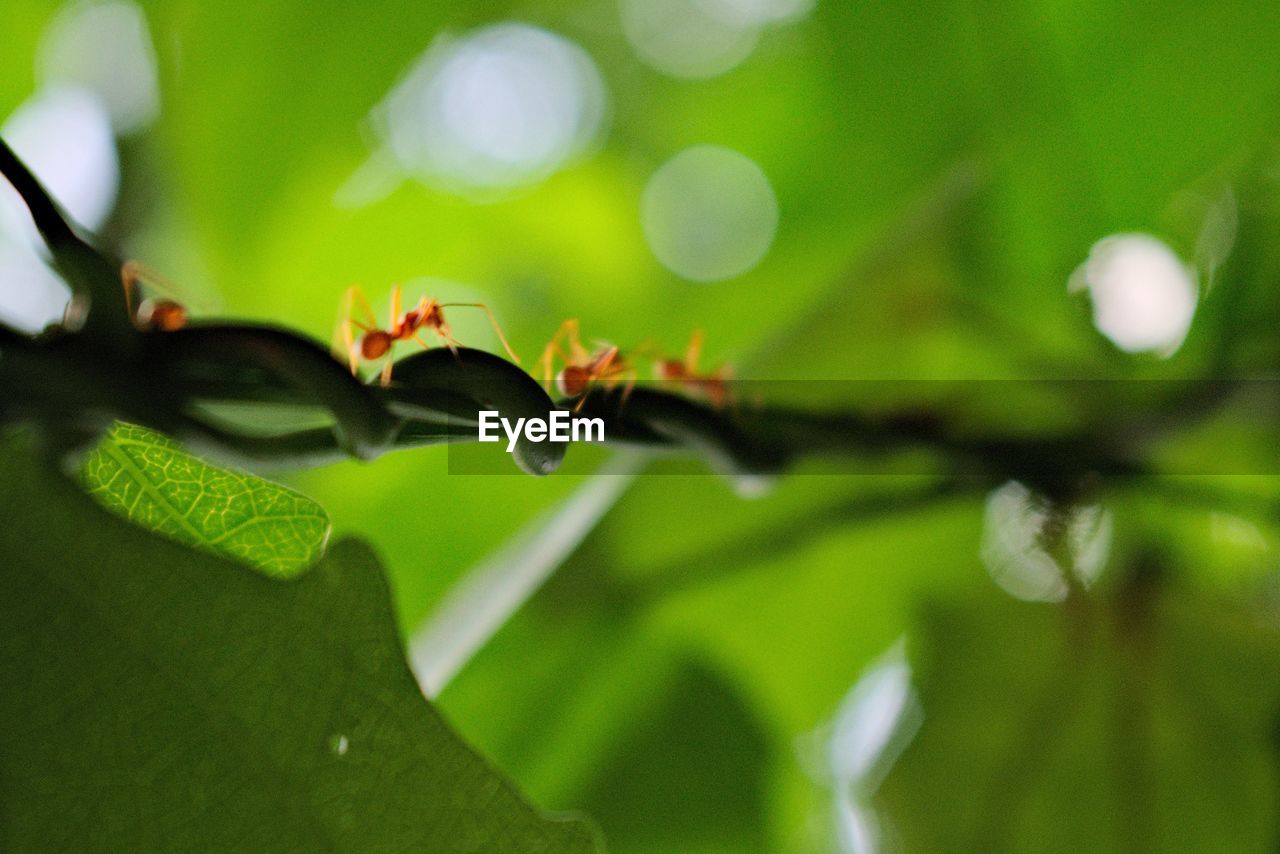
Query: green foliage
x=940 y=170
x=1147 y=715
x=159 y=698
x=146 y=478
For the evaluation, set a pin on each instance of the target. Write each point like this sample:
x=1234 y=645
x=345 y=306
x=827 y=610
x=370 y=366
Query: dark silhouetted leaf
x=157 y=698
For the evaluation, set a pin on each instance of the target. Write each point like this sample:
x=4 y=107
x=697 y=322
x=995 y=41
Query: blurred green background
x=831 y=191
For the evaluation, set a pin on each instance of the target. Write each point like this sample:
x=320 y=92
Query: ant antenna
x=493 y=321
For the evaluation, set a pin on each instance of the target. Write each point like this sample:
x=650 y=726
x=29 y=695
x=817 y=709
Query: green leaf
x=148 y=479
x=1142 y=720
x=158 y=698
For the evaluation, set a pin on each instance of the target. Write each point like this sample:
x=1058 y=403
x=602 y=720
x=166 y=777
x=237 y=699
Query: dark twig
x=78 y=378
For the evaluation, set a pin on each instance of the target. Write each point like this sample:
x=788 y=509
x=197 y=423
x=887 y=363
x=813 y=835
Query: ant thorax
x=429 y=316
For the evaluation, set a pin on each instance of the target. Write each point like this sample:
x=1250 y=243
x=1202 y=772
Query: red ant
x=583 y=368
x=714 y=385
x=375 y=342
x=152 y=314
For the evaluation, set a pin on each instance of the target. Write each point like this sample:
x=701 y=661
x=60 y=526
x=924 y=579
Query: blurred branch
x=75 y=380
x=99 y=305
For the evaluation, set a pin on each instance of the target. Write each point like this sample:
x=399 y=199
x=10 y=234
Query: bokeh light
x=760 y=11
x=104 y=47
x=32 y=296
x=64 y=136
x=709 y=214
x=684 y=38
x=1144 y=296
x=1013 y=548
x=698 y=39
x=503 y=107
x=876 y=720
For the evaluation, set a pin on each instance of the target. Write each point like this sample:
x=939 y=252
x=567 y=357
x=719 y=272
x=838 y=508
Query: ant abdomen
x=375 y=344
x=573 y=380
x=161 y=315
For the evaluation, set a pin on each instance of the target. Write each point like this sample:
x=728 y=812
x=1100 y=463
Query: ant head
x=433 y=316
x=573 y=380
x=608 y=356
x=375 y=344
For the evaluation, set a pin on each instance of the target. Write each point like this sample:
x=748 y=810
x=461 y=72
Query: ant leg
x=349 y=347
x=585 y=394
x=353 y=302
x=606 y=363
x=554 y=349
x=547 y=356
x=548 y=366
x=395 y=308
x=567 y=330
x=614 y=371
x=602 y=369
x=493 y=321
x=627 y=386
x=449 y=341
x=572 y=332
x=443 y=333
x=131 y=272
x=694 y=351
x=625 y=375
x=722 y=381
